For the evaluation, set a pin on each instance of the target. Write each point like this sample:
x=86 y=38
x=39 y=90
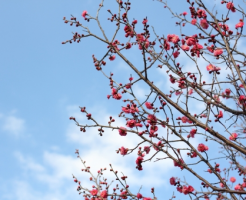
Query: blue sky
x=43 y=83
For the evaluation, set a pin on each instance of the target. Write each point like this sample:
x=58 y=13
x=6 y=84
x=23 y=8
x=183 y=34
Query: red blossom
x=148 y=105
x=233 y=136
x=218 y=51
x=112 y=57
x=173 y=38
x=104 y=194
x=204 y=24
x=94 y=192
x=233 y=179
x=84 y=13
x=193 y=21
x=172 y=181
x=123 y=151
x=122 y=131
x=131 y=123
x=239 y=25
x=230 y=6
x=202 y=148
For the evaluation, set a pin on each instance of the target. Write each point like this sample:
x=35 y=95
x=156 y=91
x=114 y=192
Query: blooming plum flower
x=204 y=24
x=147 y=149
x=139 y=196
x=112 y=57
x=152 y=119
x=233 y=136
x=239 y=25
x=126 y=110
x=233 y=179
x=148 y=105
x=94 y=192
x=172 y=181
x=104 y=194
x=193 y=132
x=230 y=6
x=123 y=151
x=84 y=13
x=190 y=92
x=122 y=131
x=202 y=148
x=210 y=67
x=176 y=54
x=185 y=47
x=218 y=51
x=131 y=123
x=173 y=38
x=191 y=41
x=184 y=13
x=220 y=115
x=193 y=21
x=237 y=187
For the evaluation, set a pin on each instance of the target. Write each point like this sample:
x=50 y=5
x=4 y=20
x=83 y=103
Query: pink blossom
x=148 y=105
x=153 y=129
x=172 y=181
x=128 y=45
x=237 y=187
x=193 y=21
x=117 y=96
x=190 y=92
x=166 y=45
x=134 y=109
x=131 y=78
x=187 y=190
x=202 y=148
x=230 y=6
x=185 y=47
x=126 y=110
x=147 y=149
x=112 y=57
x=222 y=185
x=123 y=151
x=184 y=119
x=184 y=13
x=220 y=115
x=145 y=21
x=104 y=194
x=173 y=38
x=139 y=160
x=147 y=198
x=123 y=195
x=139 y=196
x=131 y=123
x=122 y=131
x=239 y=25
x=191 y=41
x=193 y=132
x=140 y=38
x=233 y=179
x=135 y=21
x=139 y=125
x=84 y=13
x=204 y=23
x=178 y=164
x=201 y=13
x=176 y=54
x=210 y=67
x=218 y=51
x=152 y=119
x=233 y=136
x=94 y=192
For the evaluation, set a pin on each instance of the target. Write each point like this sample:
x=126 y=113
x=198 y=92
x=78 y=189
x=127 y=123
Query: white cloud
x=13 y=125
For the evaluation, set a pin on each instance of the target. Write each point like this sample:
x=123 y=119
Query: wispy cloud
x=13 y=125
